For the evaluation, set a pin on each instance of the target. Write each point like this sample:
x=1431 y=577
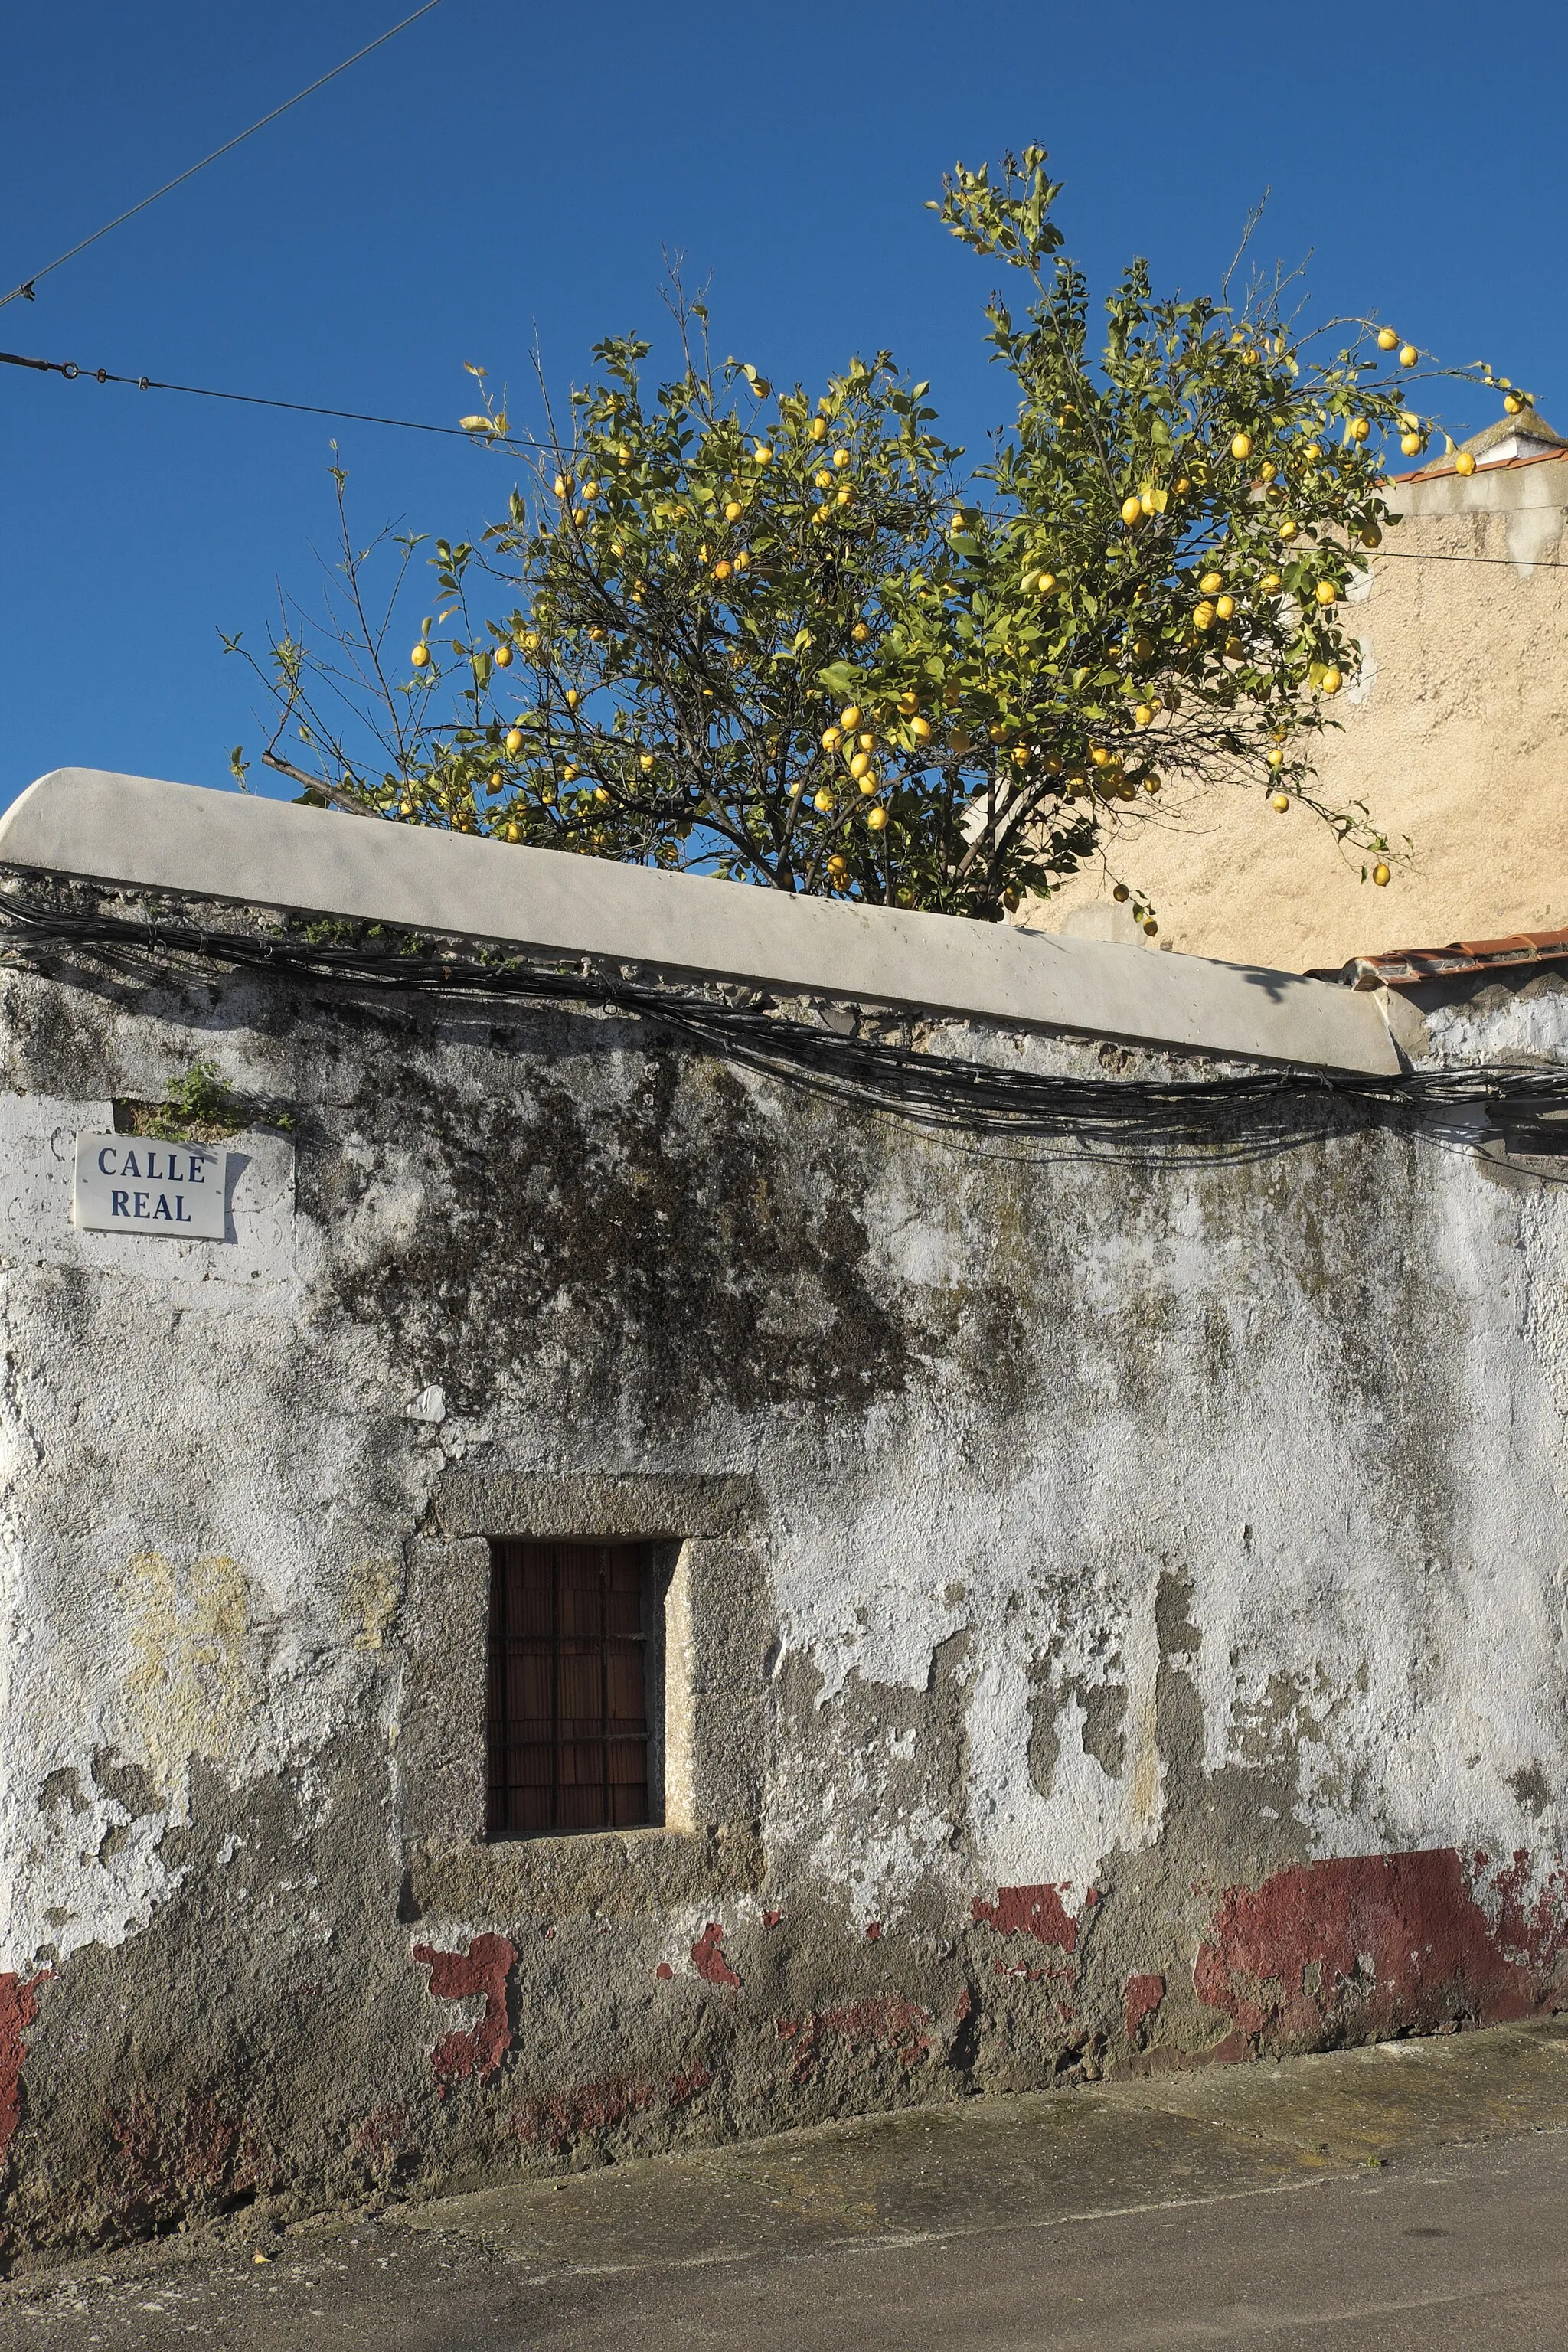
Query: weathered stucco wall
x=1453 y=737
x=1120 y=1618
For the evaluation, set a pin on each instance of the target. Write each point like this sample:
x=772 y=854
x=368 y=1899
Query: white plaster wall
x=1325 y=1395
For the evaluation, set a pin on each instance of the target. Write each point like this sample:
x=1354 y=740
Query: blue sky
x=499 y=170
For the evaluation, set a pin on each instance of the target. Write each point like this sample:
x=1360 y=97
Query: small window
x=573 y=1666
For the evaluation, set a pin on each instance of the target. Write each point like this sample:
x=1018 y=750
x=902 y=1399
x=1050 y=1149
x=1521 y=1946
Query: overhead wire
x=1224 y=1117
x=27 y=290
x=485 y=439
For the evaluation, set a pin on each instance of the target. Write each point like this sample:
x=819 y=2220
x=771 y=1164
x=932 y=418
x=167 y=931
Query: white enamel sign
x=131 y=1184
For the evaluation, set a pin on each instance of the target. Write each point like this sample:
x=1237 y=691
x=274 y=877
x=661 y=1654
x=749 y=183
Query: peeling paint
x=479 y=1973
x=1383 y=1944
x=19 y=2010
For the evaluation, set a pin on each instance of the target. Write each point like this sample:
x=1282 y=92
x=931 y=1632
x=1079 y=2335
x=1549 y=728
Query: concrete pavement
x=1411 y=2194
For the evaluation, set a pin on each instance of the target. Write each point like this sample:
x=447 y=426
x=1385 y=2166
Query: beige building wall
x=1453 y=735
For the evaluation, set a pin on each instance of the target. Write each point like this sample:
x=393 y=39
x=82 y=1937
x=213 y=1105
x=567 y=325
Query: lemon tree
x=786 y=638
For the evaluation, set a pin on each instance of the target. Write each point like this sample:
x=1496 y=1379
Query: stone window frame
x=719 y=1634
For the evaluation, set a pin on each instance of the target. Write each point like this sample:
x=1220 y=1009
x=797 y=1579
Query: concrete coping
x=135 y=833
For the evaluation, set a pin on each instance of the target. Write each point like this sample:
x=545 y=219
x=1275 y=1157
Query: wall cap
x=137 y=833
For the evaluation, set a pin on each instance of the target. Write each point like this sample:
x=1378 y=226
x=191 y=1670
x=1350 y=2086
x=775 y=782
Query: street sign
x=133 y=1184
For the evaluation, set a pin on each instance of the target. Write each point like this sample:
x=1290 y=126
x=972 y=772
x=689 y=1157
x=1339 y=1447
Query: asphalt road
x=1410 y=2196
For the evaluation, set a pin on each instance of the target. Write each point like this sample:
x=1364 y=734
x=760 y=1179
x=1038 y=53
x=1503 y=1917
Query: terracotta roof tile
x=1406 y=967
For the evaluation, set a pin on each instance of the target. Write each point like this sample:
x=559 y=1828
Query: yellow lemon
x=531 y=641
x=822 y=478
x=1211 y=583
x=1131 y=511
x=1151 y=785
x=600 y=794
x=840 y=459
x=722 y=570
x=590 y=489
x=573 y=698
x=837 y=867
x=871 y=784
x=742 y=557
x=1276 y=759
x=761 y=455
x=1241 y=447
x=1360 y=428
x=1203 y=617
x=822 y=799
x=570 y=774
x=819 y=428
x=1512 y=405
x=831 y=738
x=1100 y=755
x=1270 y=584
x=645 y=762
x=1379 y=876
x=1280 y=801
x=921 y=730
x=1143 y=715
x=1287 y=530
x=1327 y=594
x=1046 y=585
x=563 y=484
x=503 y=656
x=858 y=634
x=876 y=818
x=849 y=718
x=1386 y=339
x=1465 y=463
x=1225 y=606
x=1408 y=355
x=1333 y=681
x=867 y=742
x=514 y=741
x=1411 y=444
x=512 y=833
x=859 y=763
x=419 y=656
x=734 y=511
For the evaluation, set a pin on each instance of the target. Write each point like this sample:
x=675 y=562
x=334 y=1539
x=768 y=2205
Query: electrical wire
x=1226 y=1118
x=27 y=290
x=69 y=370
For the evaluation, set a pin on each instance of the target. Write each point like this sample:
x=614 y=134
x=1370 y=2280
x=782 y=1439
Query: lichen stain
x=482 y=1969
x=708 y=1957
x=19 y=2010
x=1036 y=1911
x=1377 y=1944
x=715 y=1265
x=193 y=1688
x=376 y=1595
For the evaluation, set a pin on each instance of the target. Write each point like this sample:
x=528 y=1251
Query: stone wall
x=1118 y=1614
